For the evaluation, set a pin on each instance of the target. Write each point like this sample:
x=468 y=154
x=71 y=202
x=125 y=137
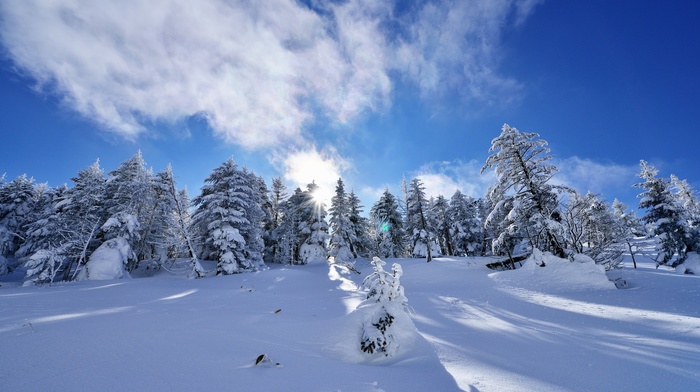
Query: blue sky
x=369 y=91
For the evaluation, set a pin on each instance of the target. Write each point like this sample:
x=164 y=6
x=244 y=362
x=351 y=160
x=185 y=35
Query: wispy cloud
x=444 y=178
x=256 y=71
x=607 y=179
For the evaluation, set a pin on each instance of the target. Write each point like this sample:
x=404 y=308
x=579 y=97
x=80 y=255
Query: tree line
x=242 y=223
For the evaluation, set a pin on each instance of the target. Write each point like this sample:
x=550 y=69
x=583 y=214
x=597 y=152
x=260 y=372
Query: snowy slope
x=478 y=330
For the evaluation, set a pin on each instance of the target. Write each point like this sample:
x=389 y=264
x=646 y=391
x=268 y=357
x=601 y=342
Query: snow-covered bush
x=691 y=265
x=109 y=261
x=384 y=310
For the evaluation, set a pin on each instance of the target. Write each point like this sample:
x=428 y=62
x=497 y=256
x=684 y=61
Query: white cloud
x=606 y=179
x=444 y=178
x=256 y=71
x=301 y=167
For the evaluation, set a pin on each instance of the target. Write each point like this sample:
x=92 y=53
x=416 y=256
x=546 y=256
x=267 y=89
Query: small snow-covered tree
x=522 y=186
x=384 y=306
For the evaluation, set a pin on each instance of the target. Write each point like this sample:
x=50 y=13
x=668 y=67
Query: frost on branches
x=385 y=311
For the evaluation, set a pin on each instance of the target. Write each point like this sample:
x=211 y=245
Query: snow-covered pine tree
x=417 y=223
x=359 y=226
x=663 y=215
x=17 y=203
x=43 y=252
x=687 y=199
x=277 y=198
x=441 y=221
x=129 y=203
x=288 y=234
x=465 y=227
x=384 y=306
x=227 y=219
x=172 y=227
x=314 y=226
x=387 y=227
x=523 y=174
x=342 y=235
x=84 y=213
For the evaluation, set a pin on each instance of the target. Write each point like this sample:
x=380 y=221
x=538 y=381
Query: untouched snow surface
x=527 y=330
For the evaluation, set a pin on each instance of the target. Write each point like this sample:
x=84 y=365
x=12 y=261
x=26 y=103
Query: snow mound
x=546 y=272
x=691 y=265
x=107 y=262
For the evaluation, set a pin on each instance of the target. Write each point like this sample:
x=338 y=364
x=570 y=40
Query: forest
x=137 y=219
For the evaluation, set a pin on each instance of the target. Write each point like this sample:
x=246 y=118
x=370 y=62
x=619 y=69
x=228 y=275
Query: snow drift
x=544 y=271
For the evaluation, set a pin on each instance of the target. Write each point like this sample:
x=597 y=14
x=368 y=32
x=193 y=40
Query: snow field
x=474 y=330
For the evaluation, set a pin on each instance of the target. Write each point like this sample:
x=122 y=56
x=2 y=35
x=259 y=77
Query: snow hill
x=533 y=329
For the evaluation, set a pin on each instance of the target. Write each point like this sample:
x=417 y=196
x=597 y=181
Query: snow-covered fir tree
x=522 y=187
x=129 y=203
x=228 y=220
x=465 y=226
x=44 y=249
x=17 y=204
x=664 y=215
x=687 y=200
x=420 y=234
x=342 y=233
x=440 y=222
x=314 y=227
x=359 y=226
x=387 y=227
x=84 y=213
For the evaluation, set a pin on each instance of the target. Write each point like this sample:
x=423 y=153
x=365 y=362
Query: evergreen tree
x=289 y=234
x=273 y=241
x=663 y=215
x=464 y=225
x=342 y=236
x=17 y=208
x=84 y=214
x=314 y=227
x=522 y=187
x=387 y=227
x=227 y=219
x=129 y=203
x=44 y=251
x=441 y=222
x=416 y=223
x=359 y=226
x=384 y=307
x=687 y=200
